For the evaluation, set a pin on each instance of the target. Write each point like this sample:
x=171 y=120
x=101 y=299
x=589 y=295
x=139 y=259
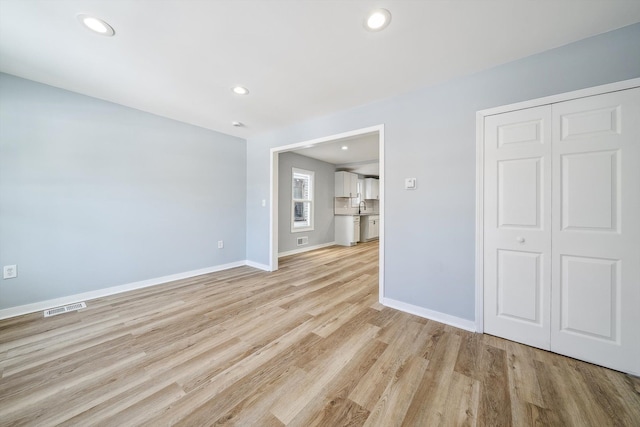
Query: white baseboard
x=257 y=265
x=305 y=249
x=99 y=293
x=458 y=322
x=43 y=305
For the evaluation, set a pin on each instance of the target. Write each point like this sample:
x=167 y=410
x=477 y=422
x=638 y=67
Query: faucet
x=360 y=204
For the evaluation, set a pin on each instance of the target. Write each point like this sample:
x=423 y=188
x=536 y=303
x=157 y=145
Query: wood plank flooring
x=308 y=345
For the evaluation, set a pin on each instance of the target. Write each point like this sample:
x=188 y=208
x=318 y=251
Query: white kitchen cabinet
x=375 y=228
x=346 y=184
x=371 y=189
x=369 y=227
x=347 y=230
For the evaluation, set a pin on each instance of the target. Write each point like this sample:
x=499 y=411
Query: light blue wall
x=94 y=194
x=324 y=178
x=430 y=135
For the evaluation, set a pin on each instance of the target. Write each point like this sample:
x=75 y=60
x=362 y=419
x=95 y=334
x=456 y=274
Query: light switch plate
x=10 y=271
x=409 y=183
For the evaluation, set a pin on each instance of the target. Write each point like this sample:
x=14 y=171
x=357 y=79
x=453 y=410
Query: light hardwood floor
x=306 y=346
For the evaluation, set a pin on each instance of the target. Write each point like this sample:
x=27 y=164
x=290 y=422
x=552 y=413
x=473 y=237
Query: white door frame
x=273 y=193
x=480 y=115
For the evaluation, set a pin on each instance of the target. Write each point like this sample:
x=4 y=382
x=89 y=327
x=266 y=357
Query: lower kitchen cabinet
x=347 y=230
x=369 y=227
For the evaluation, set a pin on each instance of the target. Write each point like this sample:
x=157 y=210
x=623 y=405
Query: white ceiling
x=299 y=58
x=361 y=156
x=367 y=169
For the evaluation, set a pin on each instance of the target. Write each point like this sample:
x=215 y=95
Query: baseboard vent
x=67 y=308
x=303 y=241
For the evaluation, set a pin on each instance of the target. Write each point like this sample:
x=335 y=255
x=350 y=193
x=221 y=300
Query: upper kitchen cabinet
x=371 y=189
x=346 y=184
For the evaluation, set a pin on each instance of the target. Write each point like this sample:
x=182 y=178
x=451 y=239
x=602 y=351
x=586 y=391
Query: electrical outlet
x=220 y=244
x=10 y=271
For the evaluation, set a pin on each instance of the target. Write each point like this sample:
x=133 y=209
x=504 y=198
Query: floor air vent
x=67 y=308
x=303 y=240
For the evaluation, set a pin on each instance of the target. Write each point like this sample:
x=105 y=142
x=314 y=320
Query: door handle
x=520 y=239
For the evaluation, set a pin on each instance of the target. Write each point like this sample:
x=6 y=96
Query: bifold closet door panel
x=596 y=229
x=517 y=225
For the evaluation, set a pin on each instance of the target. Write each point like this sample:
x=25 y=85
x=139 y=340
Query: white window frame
x=355 y=201
x=311 y=176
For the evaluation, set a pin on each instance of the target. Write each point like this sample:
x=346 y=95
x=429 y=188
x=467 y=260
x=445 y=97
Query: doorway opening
x=274 y=173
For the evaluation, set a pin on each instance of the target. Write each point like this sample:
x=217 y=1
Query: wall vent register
x=65 y=309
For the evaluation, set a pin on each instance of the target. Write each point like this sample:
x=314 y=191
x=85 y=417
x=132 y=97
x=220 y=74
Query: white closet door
x=596 y=230
x=517 y=225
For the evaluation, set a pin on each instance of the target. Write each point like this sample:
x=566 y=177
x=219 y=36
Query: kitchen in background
x=357 y=208
x=346 y=201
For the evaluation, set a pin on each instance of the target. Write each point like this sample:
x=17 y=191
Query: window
x=301 y=200
x=355 y=201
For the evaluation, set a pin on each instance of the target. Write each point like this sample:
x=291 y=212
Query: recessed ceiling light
x=96 y=25
x=344 y=147
x=377 y=20
x=240 y=90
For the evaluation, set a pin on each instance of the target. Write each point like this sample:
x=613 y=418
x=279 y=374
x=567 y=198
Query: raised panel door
x=596 y=230
x=517 y=225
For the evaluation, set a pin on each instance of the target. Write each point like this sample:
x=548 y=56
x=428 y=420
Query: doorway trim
x=480 y=115
x=273 y=193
